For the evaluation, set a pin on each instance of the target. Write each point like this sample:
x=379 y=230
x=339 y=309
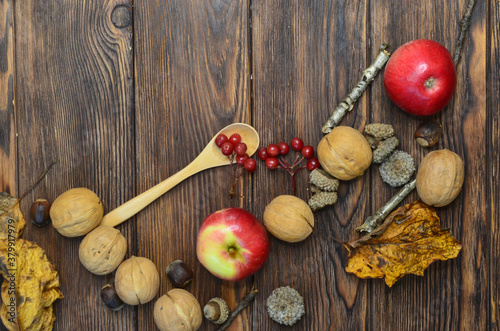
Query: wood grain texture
x=126 y=93
x=452 y=294
x=307 y=55
x=493 y=160
x=472 y=129
x=192 y=79
x=74 y=98
x=8 y=123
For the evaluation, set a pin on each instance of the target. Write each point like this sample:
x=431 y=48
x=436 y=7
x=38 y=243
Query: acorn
x=179 y=273
x=216 y=311
x=111 y=298
x=39 y=212
x=428 y=133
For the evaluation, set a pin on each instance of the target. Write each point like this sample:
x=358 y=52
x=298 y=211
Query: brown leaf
x=11 y=219
x=410 y=239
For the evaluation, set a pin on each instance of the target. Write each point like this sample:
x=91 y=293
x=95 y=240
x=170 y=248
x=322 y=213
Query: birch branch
x=377 y=219
x=464 y=26
x=347 y=104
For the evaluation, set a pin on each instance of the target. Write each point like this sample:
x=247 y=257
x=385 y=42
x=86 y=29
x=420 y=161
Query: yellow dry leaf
x=11 y=219
x=36 y=285
x=410 y=239
x=31 y=283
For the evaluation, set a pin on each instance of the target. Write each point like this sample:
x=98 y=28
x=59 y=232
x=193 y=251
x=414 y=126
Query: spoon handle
x=135 y=205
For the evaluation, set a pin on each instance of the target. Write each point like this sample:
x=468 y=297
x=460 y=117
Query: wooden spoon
x=210 y=157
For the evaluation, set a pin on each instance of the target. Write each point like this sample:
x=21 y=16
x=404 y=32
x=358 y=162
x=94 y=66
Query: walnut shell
x=177 y=310
x=76 y=212
x=102 y=250
x=344 y=153
x=289 y=218
x=440 y=177
x=137 y=280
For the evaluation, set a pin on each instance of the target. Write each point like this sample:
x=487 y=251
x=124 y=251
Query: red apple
x=232 y=244
x=420 y=77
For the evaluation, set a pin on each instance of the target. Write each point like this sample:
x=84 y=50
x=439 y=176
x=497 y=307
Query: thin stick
x=377 y=219
x=38 y=180
x=284 y=165
x=464 y=26
x=32 y=187
x=398 y=215
x=231 y=177
x=348 y=103
x=242 y=305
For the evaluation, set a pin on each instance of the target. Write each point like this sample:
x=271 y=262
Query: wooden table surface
x=125 y=93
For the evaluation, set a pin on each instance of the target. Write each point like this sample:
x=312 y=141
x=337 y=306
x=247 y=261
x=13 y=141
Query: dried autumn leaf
x=409 y=240
x=11 y=219
x=26 y=268
x=36 y=285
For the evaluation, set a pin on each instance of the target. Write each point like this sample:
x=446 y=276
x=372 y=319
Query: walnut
x=177 y=310
x=344 y=153
x=289 y=218
x=76 y=212
x=440 y=177
x=137 y=280
x=102 y=250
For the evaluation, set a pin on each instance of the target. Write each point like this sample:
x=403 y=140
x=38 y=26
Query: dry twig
x=242 y=305
x=464 y=26
x=348 y=103
x=377 y=219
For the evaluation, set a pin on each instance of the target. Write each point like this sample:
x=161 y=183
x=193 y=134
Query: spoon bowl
x=248 y=135
x=210 y=157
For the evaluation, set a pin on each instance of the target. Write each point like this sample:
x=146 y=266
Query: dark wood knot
x=121 y=16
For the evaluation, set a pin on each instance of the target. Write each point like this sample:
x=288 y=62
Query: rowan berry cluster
x=274 y=157
x=236 y=151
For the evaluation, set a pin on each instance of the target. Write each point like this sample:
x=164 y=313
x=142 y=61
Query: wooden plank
x=8 y=146
x=74 y=97
x=307 y=55
x=493 y=160
x=8 y=124
x=192 y=79
x=452 y=294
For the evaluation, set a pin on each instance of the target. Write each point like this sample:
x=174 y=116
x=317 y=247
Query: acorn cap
x=384 y=149
x=397 y=169
x=216 y=311
x=285 y=306
x=323 y=180
x=322 y=199
x=379 y=131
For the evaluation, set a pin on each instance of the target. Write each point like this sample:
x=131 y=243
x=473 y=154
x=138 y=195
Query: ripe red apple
x=232 y=244
x=420 y=77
